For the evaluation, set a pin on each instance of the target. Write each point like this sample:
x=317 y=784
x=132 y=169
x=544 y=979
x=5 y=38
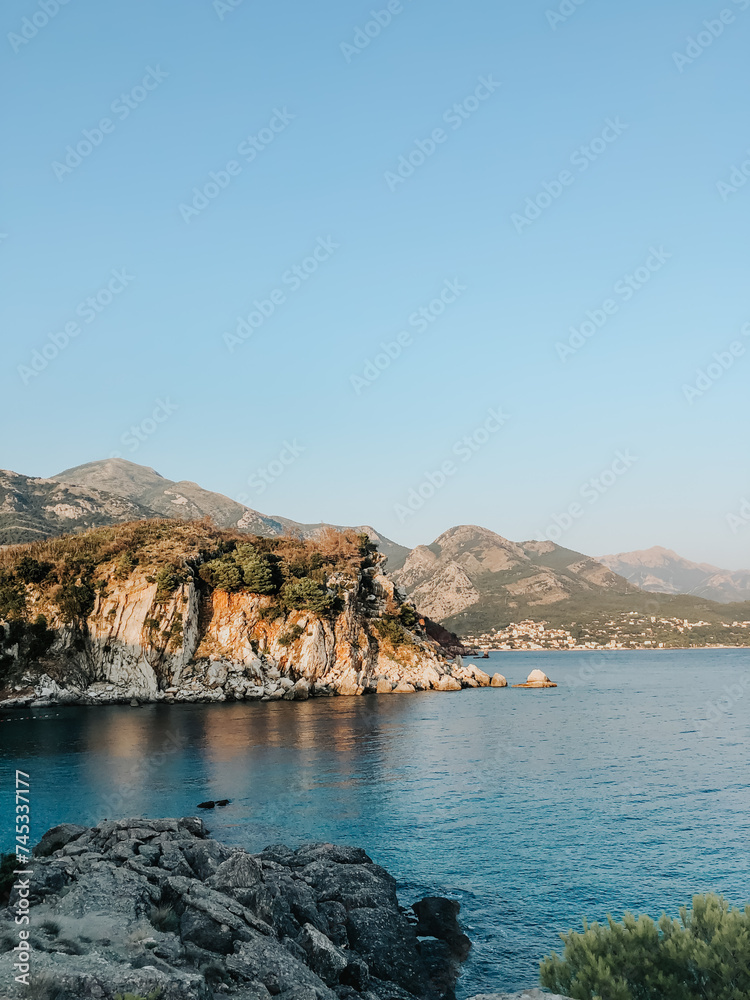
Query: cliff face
x=202 y=643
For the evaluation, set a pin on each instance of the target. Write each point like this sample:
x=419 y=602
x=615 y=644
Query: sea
x=626 y=787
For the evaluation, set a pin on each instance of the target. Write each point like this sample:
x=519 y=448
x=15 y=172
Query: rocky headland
x=156 y=908
x=183 y=611
x=138 y=906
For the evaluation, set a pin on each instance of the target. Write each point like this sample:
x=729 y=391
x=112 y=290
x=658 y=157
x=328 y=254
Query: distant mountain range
x=472 y=581
x=469 y=579
x=659 y=570
x=472 y=569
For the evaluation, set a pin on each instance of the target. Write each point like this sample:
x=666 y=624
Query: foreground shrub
x=705 y=955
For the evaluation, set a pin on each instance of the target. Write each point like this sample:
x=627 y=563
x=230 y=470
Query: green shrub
x=176 y=633
x=306 y=595
x=291 y=635
x=125 y=564
x=391 y=629
x=168 y=579
x=223 y=574
x=702 y=956
x=12 y=598
x=30 y=570
x=257 y=572
x=75 y=600
x=272 y=613
x=408 y=616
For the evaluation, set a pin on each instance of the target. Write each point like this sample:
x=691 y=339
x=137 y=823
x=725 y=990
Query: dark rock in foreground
x=140 y=905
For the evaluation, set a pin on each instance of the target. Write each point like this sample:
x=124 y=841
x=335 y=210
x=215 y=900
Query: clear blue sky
x=329 y=173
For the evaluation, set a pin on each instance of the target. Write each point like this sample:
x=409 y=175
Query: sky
x=405 y=264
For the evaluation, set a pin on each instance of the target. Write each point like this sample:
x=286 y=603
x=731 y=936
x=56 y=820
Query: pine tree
x=705 y=955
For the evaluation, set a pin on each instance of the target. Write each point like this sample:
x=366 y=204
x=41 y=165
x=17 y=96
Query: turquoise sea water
x=625 y=787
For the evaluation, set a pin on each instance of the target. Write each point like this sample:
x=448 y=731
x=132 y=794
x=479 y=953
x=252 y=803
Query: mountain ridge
x=184 y=498
x=662 y=570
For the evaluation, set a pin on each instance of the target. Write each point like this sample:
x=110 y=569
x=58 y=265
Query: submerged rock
x=139 y=906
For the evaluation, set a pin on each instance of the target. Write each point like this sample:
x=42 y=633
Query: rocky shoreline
x=223 y=681
x=156 y=907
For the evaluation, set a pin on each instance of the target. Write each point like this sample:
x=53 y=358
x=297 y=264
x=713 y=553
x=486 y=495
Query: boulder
x=438 y=917
x=537 y=679
x=403 y=687
x=56 y=838
x=448 y=683
x=388 y=944
x=324 y=958
x=384 y=686
x=498 y=681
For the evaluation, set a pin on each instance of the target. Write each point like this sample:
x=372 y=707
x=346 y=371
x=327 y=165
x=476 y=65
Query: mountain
x=472 y=580
x=659 y=570
x=469 y=567
x=143 y=485
x=33 y=509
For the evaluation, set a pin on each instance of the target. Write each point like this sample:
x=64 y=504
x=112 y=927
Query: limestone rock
x=498 y=681
x=537 y=679
x=448 y=683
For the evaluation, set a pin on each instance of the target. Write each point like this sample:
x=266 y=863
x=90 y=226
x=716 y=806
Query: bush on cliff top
x=705 y=955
